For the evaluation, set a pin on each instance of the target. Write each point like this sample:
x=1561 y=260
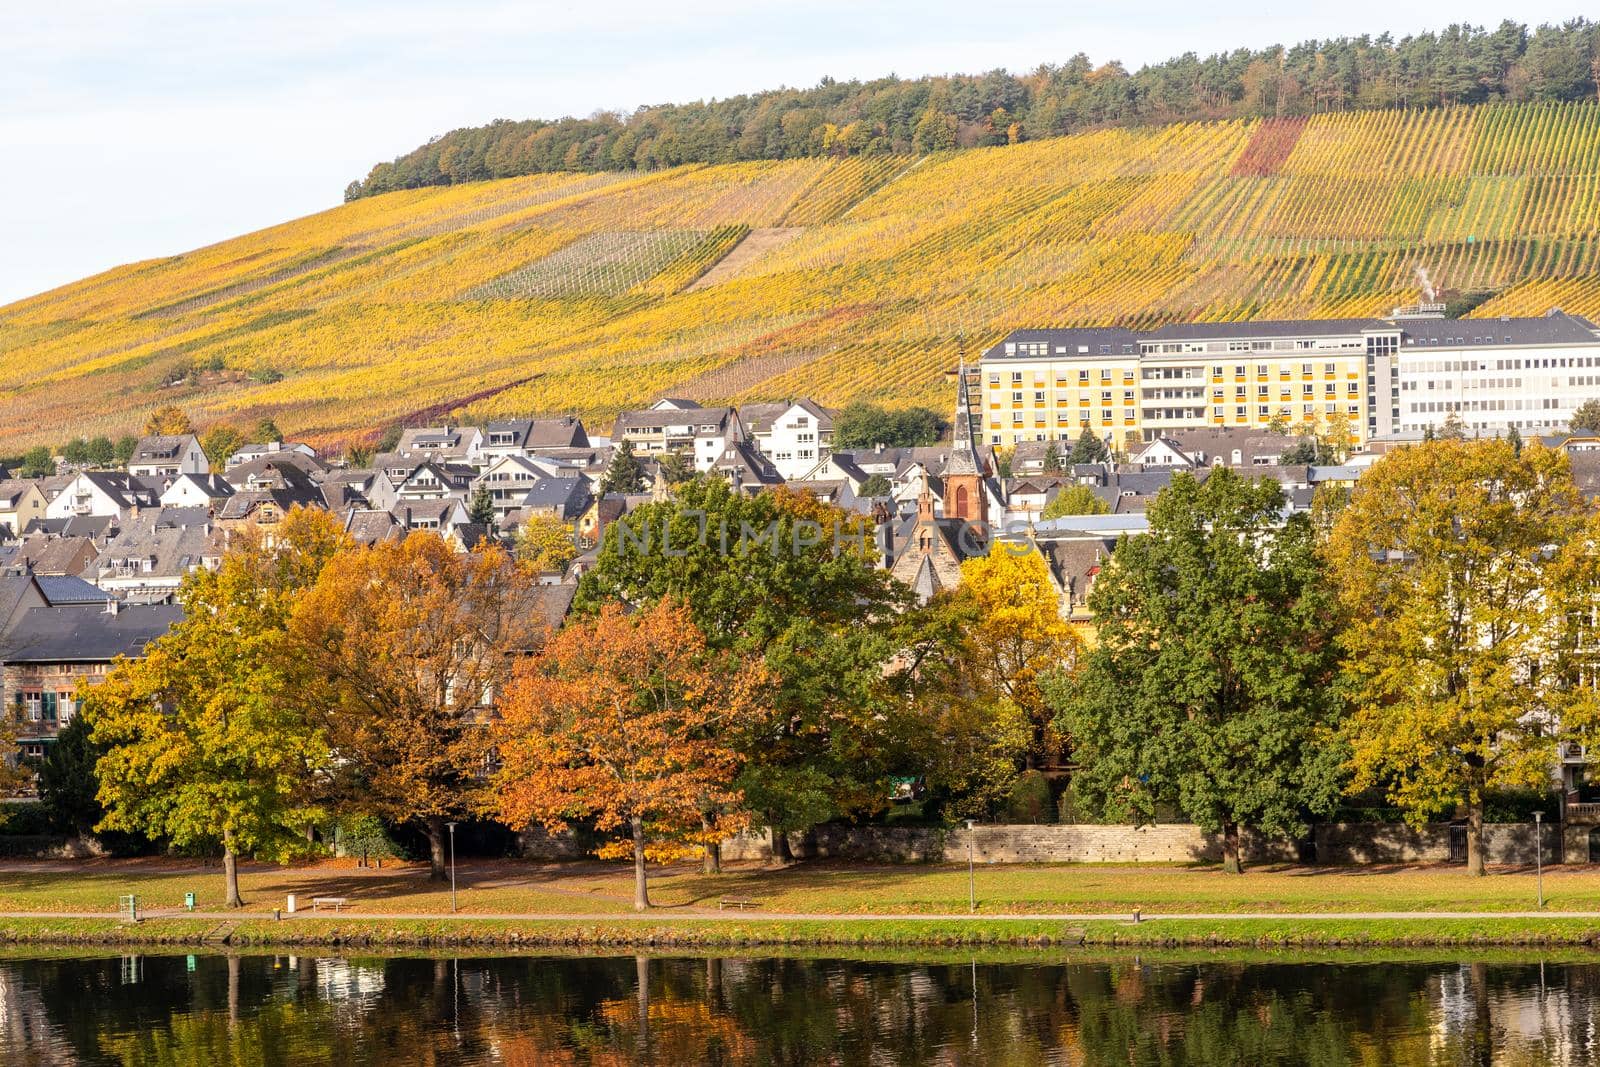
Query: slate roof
x=568 y=496
x=160 y=447
x=758 y=418
x=63 y=589
x=1264 y=329
x=90 y=634
x=1556 y=327
x=274 y=464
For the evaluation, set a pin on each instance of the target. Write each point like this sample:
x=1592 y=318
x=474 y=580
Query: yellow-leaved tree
x=206 y=742
x=1017 y=636
x=1450 y=560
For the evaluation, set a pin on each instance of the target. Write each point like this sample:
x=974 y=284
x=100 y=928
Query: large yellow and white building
x=1370 y=377
x=1129 y=386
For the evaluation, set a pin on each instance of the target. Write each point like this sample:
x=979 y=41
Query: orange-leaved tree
x=404 y=645
x=622 y=719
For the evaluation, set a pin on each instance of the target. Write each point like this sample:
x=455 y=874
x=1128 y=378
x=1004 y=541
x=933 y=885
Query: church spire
x=963 y=457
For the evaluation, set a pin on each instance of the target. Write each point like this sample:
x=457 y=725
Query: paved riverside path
x=669 y=914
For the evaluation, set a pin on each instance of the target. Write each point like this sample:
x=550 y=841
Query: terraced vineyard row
x=838 y=278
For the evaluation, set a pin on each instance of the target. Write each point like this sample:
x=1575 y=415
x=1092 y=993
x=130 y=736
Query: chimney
x=112 y=605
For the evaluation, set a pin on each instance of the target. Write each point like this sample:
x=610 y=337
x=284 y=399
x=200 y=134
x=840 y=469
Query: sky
x=131 y=130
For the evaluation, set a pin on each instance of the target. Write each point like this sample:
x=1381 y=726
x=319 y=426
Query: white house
x=167 y=456
x=103 y=493
x=196 y=491
x=795 y=435
x=509 y=479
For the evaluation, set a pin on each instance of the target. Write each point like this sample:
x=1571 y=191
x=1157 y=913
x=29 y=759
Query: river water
x=1063 y=1008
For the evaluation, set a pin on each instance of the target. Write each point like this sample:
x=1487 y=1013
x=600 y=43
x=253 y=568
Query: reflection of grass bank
x=365 y=932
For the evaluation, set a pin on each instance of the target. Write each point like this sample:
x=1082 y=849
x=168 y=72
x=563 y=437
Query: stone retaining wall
x=1334 y=843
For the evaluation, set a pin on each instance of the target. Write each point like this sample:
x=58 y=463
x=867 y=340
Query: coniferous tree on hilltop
x=1458 y=65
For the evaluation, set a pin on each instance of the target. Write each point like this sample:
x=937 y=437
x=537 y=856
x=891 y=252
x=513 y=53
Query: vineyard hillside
x=842 y=279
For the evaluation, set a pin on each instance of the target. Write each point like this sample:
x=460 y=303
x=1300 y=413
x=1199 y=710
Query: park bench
x=735 y=902
x=333 y=902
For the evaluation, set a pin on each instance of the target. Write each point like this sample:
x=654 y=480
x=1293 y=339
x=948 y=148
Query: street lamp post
x=452 y=827
x=972 y=884
x=1538 y=853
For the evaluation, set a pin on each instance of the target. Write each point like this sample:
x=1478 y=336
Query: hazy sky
x=141 y=128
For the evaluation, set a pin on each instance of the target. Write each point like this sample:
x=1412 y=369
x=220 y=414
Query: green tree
x=863 y=425
x=68 y=785
x=1075 y=500
x=1052 y=458
x=480 y=509
x=876 y=485
x=75 y=452
x=786 y=578
x=101 y=452
x=124 y=448
x=1586 y=418
x=220 y=442
x=1088 y=449
x=625 y=475
x=675 y=468
x=206 y=741
x=1210 y=685
x=1443 y=559
x=38 y=463
x=265 y=430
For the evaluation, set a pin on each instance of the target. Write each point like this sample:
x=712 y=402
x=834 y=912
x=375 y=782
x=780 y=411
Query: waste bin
x=289 y=905
x=188 y=901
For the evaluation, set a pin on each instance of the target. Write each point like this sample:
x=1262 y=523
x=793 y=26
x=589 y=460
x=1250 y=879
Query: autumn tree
x=1210 y=683
x=1017 y=636
x=205 y=741
x=168 y=421
x=792 y=581
x=1074 y=500
x=623 y=719
x=545 y=544
x=220 y=442
x=402 y=646
x=1446 y=558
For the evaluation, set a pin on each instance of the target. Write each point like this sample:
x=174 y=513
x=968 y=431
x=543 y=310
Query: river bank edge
x=690 y=933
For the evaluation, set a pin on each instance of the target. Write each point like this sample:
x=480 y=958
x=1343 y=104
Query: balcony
x=1583 y=813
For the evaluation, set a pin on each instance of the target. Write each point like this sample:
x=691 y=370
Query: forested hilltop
x=895 y=116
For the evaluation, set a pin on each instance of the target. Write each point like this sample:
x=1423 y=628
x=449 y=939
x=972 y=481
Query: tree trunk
x=233 y=991
x=780 y=847
x=641 y=888
x=1231 y=860
x=1475 y=838
x=713 y=862
x=230 y=877
x=434 y=827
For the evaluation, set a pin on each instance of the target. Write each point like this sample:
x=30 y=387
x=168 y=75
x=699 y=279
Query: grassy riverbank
x=690 y=933
x=507 y=903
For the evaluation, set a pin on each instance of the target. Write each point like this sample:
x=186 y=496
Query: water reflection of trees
x=602 y=1011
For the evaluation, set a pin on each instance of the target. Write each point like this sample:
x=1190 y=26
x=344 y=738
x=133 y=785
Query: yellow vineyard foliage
x=837 y=278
